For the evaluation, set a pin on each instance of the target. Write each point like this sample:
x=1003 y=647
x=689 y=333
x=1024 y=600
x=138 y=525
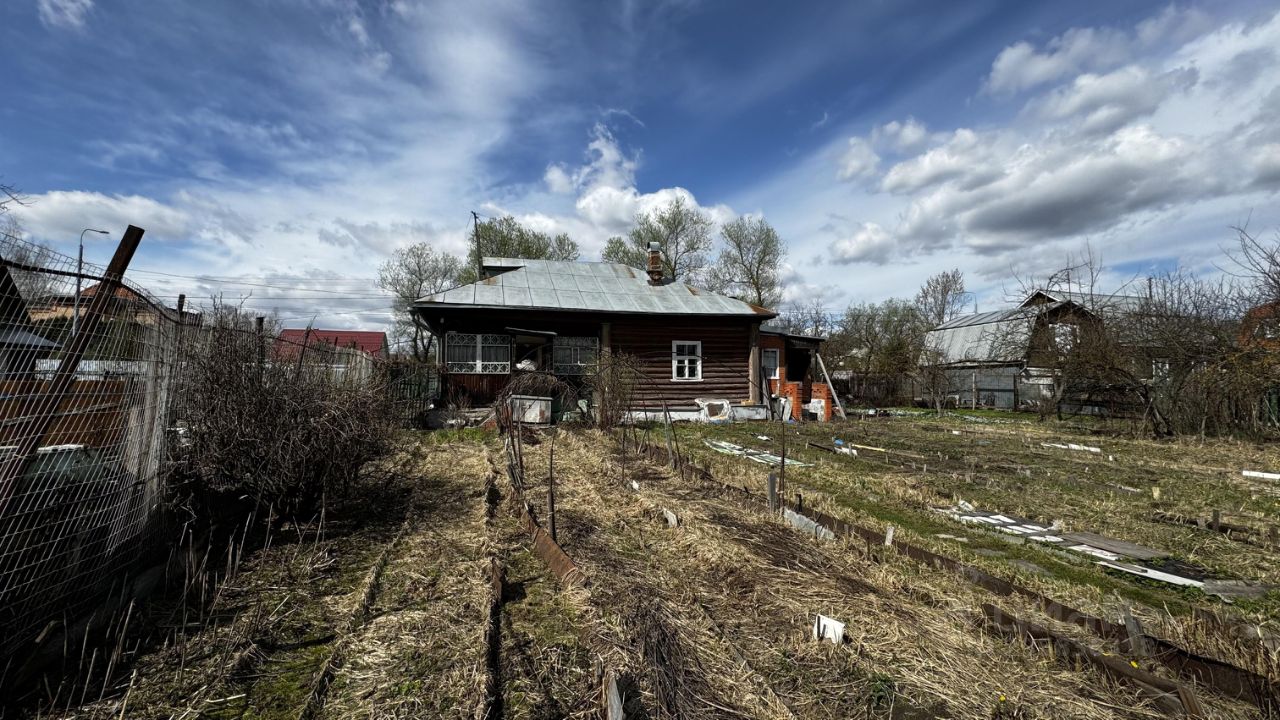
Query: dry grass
x=915 y=649
x=1006 y=469
x=421 y=653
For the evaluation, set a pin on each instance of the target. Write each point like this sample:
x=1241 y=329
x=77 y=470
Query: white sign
x=825 y=628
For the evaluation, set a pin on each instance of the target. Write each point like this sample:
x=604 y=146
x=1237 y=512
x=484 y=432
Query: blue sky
x=297 y=143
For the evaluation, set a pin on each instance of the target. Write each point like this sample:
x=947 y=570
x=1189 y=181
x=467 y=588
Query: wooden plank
x=1120 y=547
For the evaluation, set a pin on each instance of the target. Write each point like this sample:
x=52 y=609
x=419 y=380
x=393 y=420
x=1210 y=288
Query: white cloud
x=858 y=160
x=963 y=155
x=1106 y=102
x=606 y=199
x=1103 y=154
x=1021 y=67
x=558 y=179
x=65 y=14
x=62 y=215
x=868 y=242
x=903 y=136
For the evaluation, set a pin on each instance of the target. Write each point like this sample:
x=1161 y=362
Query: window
x=1160 y=369
x=686 y=360
x=1064 y=337
x=769 y=363
x=573 y=355
x=473 y=353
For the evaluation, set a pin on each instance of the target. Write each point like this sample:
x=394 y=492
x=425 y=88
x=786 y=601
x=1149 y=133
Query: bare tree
x=15 y=247
x=749 y=262
x=941 y=297
x=1258 y=262
x=885 y=339
x=9 y=195
x=411 y=273
x=683 y=234
x=806 y=317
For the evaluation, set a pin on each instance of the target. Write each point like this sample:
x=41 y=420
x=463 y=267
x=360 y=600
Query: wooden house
x=559 y=317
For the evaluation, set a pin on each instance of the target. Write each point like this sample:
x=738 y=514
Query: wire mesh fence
x=86 y=373
x=106 y=394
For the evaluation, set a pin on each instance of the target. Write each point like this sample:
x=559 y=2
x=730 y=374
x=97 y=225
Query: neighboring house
x=21 y=347
x=1006 y=357
x=559 y=316
x=1101 y=304
x=1260 y=327
x=126 y=303
x=372 y=343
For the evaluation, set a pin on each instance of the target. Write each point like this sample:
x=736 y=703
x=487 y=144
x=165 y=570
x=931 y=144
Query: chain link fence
x=106 y=395
x=86 y=378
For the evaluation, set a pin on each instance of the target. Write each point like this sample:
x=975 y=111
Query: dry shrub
x=282 y=424
x=612 y=382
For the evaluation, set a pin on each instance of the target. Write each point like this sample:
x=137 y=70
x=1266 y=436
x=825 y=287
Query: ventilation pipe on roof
x=655 y=264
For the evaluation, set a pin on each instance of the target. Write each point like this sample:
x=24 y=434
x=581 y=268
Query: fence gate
x=413 y=387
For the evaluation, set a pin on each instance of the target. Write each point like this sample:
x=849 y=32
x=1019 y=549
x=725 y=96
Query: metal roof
x=991 y=337
x=1096 y=302
x=585 y=286
x=17 y=337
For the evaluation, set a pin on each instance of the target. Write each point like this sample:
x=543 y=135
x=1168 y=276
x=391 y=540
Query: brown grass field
x=382 y=607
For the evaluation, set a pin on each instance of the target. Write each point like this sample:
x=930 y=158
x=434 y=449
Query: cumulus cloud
x=1106 y=148
x=868 y=242
x=1106 y=102
x=65 y=14
x=606 y=199
x=903 y=136
x=964 y=155
x=1022 y=67
x=858 y=160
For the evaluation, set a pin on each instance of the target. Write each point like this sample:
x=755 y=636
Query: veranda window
x=686 y=360
x=478 y=353
x=769 y=363
x=573 y=355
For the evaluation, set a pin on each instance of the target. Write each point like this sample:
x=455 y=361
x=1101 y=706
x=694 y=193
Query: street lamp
x=75 y=313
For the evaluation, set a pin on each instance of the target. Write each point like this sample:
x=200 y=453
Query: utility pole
x=475 y=241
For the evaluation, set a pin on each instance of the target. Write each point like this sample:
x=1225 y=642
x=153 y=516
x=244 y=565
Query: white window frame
x=777 y=362
x=581 y=351
x=1160 y=369
x=478 y=366
x=678 y=358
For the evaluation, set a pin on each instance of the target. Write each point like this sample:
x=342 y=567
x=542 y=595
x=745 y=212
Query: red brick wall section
x=821 y=391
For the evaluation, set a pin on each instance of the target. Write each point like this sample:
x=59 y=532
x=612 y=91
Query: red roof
x=369 y=341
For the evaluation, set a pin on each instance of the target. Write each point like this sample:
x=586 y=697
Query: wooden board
x=1119 y=547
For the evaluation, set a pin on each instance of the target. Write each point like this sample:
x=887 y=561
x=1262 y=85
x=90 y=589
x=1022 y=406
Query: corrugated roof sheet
x=1095 y=302
x=990 y=337
x=369 y=341
x=604 y=287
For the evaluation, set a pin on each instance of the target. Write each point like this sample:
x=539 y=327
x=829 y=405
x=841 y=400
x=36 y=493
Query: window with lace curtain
x=488 y=354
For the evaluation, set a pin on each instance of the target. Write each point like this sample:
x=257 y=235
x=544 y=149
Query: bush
x=285 y=425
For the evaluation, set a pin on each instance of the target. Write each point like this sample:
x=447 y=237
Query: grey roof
x=585 y=286
x=1097 y=302
x=22 y=338
x=990 y=337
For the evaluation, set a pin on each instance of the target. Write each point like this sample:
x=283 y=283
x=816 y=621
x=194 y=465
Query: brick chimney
x=656 y=275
